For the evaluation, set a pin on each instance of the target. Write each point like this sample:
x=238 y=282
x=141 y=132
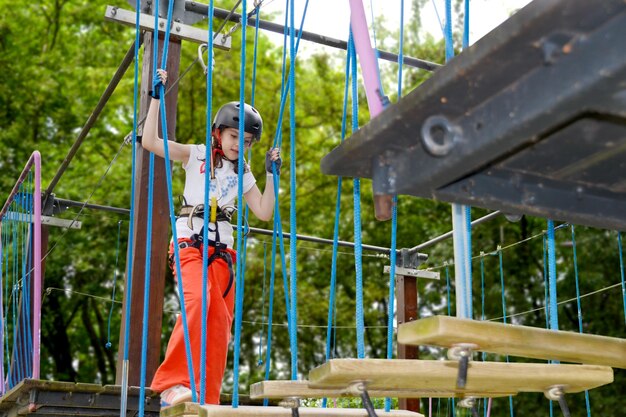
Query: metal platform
x=54 y=398
x=529 y=120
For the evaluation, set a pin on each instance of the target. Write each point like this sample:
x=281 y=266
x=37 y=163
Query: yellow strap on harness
x=213 y=209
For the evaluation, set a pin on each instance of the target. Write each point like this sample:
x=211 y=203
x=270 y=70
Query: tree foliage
x=58 y=56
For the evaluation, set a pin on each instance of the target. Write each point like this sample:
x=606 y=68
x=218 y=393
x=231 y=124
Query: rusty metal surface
x=531 y=120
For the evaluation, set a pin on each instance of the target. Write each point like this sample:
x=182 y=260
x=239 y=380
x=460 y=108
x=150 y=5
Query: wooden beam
x=407 y=311
x=490 y=378
x=160 y=229
x=279 y=390
x=528 y=342
x=228 y=411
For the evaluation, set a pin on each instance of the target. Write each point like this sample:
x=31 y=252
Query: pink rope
x=367 y=58
x=37 y=266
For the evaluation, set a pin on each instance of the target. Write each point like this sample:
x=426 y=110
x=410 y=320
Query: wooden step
x=489 y=378
x=228 y=411
x=302 y=389
x=529 y=342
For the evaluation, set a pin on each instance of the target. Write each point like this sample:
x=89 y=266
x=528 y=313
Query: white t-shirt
x=224 y=187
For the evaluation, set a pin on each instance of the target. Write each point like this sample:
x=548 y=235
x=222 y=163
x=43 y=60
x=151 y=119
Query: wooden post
x=160 y=229
x=406 y=296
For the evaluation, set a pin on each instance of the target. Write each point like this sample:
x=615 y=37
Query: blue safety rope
x=239 y=281
x=270 y=314
x=131 y=226
x=578 y=307
x=447 y=269
x=207 y=188
x=466 y=23
x=504 y=316
x=554 y=315
x=147 y=276
x=264 y=291
x=168 y=178
x=293 y=336
x=394 y=217
x=483 y=355
x=333 y=268
x=117 y=253
x=278 y=233
x=621 y=267
x=545 y=281
x=358 y=247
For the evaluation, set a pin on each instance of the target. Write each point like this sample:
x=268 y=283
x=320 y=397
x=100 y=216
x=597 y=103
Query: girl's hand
x=273 y=155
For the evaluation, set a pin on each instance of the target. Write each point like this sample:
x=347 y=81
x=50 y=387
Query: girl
x=172 y=377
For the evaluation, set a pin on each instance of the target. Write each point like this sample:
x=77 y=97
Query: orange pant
x=174 y=370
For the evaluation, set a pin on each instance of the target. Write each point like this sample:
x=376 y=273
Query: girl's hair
x=218 y=158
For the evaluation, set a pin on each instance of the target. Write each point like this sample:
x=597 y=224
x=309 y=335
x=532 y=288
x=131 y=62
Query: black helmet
x=228 y=116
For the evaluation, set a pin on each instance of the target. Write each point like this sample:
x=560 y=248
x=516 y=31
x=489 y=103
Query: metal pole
x=128 y=58
x=118 y=210
x=448 y=235
x=200 y=8
x=69 y=203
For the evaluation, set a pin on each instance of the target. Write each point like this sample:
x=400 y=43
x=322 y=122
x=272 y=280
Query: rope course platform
x=531 y=119
x=189 y=410
x=490 y=379
x=524 y=341
x=39 y=398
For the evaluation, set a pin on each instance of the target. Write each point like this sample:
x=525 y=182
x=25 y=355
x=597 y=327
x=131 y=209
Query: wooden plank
x=529 y=342
x=180 y=410
x=228 y=411
x=491 y=378
x=279 y=390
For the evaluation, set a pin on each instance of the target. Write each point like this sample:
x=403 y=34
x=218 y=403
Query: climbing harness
x=222 y=214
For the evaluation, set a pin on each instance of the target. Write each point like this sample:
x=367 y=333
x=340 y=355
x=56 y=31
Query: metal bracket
x=557 y=393
x=470 y=402
x=178 y=30
x=359 y=388
x=293 y=403
x=411 y=272
x=461 y=352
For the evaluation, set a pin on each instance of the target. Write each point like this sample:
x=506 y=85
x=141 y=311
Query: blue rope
x=333 y=268
x=504 y=312
x=392 y=286
x=621 y=266
x=466 y=23
x=448 y=289
x=285 y=89
x=277 y=218
x=482 y=311
x=545 y=280
x=293 y=336
x=256 y=49
x=448 y=31
x=117 y=253
x=168 y=178
x=554 y=315
x=578 y=307
x=260 y=360
x=394 y=215
x=358 y=248
x=270 y=315
x=207 y=188
x=146 y=293
x=240 y=284
x=131 y=226
x=469 y=312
